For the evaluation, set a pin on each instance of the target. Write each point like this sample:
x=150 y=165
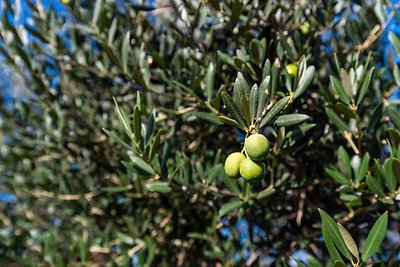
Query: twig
x=347 y=136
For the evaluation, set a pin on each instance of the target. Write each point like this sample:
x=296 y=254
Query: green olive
x=252 y=171
x=232 y=164
x=305 y=28
x=256 y=146
x=291 y=70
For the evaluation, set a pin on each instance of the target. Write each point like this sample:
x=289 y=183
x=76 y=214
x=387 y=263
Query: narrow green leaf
x=376 y=117
x=231 y=122
x=158 y=186
x=274 y=81
x=265 y=193
x=332 y=230
x=230 y=206
x=123 y=120
x=346 y=82
x=254 y=51
x=236 y=11
x=263 y=95
x=150 y=128
x=246 y=110
x=238 y=92
x=165 y=156
x=362 y=170
x=125 y=238
x=242 y=83
x=290 y=119
x=253 y=102
x=337 y=121
x=97 y=10
x=210 y=78
x=304 y=81
x=112 y=31
x=156 y=144
x=394 y=116
x=274 y=111
x=396 y=169
x=328 y=238
x=118 y=140
x=137 y=123
x=375 y=186
x=396 y=74
x=390 y=179
x=125 y=51
x=226 y=58
x=302 y=67
x=344 y=162
x=349 y=241
x=206 y=116
x=345 y=110
x=233 y=109
x=339 y=89
x=141 y=165
x=364 y=86
x=375 y=237
x=395 y=41
x=337 y=175
x=196 y=235
x=230 y=183
x=266 y=68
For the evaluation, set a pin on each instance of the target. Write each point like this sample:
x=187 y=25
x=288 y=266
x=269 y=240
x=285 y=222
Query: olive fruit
x=291 y=70
x=256 y=146
x=252 y=171
x=232 y=164
x=305 y=28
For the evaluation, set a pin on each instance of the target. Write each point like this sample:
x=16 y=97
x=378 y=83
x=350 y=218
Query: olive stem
x=244 y=150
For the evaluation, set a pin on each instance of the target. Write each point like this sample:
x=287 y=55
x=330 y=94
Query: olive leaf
x=253 y=102
x=233 y=109
x=231 y=122
x=340 y=91
x=375 y=237
x=337 y=175
x=365 y=85
x=337 y=121
x=330 y=231
x=304 y=81
x=375 y=186
x=241 y=88
x=158 y=186
x=274 y=111
x=210 y=79
x=349 y=241
x=290 y=119
x=230 y=206
x=362 y=170
x=263 y=95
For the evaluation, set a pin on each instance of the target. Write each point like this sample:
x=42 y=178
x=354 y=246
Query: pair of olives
x=251 y=168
